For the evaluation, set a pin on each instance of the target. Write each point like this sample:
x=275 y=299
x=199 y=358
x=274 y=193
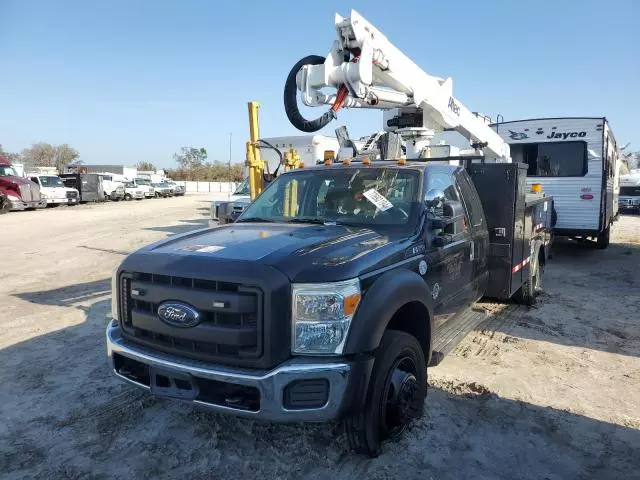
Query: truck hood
x=11 y=179
x=303 y=252
x=55 y=191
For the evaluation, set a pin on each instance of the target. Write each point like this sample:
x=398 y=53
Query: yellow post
x=291 y=160
x=254 y=160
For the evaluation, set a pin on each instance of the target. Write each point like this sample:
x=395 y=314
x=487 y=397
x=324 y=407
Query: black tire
x=532 y=286
x=604 y=239
x=127 y=197
x=106 y=197
x=383 y=416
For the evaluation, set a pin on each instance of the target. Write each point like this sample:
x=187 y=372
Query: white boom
x=368 y=71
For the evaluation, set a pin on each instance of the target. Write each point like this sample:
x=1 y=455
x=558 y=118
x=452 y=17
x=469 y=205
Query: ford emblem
x=178 y=314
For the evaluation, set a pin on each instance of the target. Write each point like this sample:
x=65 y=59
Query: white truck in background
x=113 y=188
x=629 y=198
x=53 y=191
x=577 y=162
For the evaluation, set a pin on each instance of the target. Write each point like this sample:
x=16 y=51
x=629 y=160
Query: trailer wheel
x=604 y=238
x=397 y=390
x=532 y=286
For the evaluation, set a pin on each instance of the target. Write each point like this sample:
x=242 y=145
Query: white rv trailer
x=576 y=160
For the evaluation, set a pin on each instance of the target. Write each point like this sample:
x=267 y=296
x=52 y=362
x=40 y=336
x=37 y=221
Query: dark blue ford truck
x=331 y=294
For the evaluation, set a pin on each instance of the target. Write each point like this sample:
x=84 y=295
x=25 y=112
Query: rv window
x=554 y=159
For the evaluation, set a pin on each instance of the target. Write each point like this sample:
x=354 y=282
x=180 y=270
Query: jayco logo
x=565 y=135
x=517 y=135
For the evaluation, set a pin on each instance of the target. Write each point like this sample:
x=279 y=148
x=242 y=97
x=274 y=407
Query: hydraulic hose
x=291 y=99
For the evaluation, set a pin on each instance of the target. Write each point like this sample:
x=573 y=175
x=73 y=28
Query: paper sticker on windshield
x=377 y=199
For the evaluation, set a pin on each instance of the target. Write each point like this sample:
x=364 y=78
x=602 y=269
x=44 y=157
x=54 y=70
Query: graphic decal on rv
x=517 y=135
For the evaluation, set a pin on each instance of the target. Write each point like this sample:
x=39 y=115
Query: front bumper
x=20 y=205
x=56 y=201
x=345 y=382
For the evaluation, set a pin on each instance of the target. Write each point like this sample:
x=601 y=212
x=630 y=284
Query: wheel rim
x=399 y=396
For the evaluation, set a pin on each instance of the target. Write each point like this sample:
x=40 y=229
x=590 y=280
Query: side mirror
x=451 y=221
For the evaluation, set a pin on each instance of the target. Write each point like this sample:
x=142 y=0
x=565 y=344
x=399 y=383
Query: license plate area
x=172 y=384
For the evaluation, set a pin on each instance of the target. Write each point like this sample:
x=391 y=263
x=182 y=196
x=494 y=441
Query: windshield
x=242 y=189
x=365 y=197
x=129 y=185
x=630 y=191
x=51 y=182
x=143 y=181
x=6 y=171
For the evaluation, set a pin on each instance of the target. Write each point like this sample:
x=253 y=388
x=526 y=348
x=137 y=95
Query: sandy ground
x=551 y=392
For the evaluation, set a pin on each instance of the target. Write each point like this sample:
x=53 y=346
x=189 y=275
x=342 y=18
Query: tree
x=11 y=156
x=190 y=158
x=44 y=154
x=146 y=166
x=64 y=156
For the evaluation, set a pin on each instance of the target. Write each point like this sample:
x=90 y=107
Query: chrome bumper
x=19 y=206
x=270 y=383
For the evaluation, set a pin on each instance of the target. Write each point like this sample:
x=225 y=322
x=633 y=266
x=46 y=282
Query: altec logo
x=453 y=106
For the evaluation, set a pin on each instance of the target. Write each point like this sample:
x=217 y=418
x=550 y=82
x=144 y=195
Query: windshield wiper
x=255 y=219
x=317 y=221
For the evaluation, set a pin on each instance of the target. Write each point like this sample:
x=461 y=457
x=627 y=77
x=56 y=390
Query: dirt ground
x=551 y=392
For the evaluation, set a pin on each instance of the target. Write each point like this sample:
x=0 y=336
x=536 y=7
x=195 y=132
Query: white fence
x=207 y=187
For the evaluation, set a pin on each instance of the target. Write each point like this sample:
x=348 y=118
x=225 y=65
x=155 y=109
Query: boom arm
x=369 y=72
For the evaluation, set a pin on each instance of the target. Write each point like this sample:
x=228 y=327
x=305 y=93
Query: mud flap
x=168 y=383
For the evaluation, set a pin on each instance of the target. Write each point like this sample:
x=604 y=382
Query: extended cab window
x=471 y=199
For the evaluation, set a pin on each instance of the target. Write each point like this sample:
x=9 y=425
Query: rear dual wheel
x=397 y=390
x=532 y=286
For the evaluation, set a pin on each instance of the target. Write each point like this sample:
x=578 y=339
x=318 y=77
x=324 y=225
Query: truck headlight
x=322 y=315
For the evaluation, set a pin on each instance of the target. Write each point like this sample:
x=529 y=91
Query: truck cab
x=629 y=198
x=53 y=190
x=331 y=294
x=113 y=189
x=233 y=207
x=21 y=193
x=132 y=192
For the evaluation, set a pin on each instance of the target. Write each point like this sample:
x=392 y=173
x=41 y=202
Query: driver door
x=449 y=264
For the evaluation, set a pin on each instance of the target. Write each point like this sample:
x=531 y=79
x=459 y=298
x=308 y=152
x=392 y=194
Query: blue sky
x=127 y=80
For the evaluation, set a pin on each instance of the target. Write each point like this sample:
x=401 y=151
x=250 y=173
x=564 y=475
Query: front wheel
x=397 y=390
x=127 y=197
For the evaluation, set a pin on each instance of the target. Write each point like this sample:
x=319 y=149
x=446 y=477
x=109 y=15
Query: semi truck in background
x=577 y=161
x=21 y=193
